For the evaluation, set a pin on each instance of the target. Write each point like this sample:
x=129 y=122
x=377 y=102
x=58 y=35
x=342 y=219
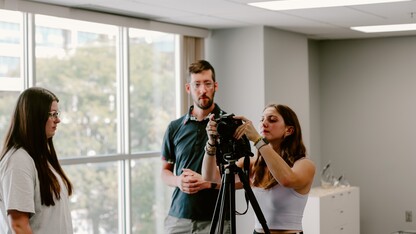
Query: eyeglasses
x=197 y=85
x=54 y=114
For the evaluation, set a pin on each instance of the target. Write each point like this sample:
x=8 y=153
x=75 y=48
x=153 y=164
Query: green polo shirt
x=183 y=145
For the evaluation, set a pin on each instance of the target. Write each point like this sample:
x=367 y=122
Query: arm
x=298 y=177
x=19 y=222
x=210 y=170
x=167 y=174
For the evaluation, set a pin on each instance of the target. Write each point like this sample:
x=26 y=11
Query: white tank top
x=282 y=207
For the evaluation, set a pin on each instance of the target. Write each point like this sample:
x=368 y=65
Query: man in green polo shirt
x=194 y=199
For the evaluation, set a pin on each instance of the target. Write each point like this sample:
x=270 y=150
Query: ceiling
x=323 y=23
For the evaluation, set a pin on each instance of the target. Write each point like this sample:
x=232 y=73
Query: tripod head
x=230 y=150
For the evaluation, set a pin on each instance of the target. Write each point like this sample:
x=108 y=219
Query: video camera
x=229 y=148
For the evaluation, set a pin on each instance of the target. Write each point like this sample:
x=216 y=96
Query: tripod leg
x=252 y=199
x=225 y=199
x=232 y=203
x=229 y=197
x=218 y=206
x=225 y=196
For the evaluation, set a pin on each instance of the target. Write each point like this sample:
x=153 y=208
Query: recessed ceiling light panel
x=385 y=28
x=307 y=4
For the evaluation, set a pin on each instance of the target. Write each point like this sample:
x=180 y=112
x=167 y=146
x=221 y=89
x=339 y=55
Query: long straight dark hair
x=291 y=148
x=27 y=131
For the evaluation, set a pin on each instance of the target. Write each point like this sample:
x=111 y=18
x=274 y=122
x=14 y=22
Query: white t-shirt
x=19 y=190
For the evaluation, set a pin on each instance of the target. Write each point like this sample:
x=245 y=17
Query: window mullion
x=123 y=131
x=28 y=67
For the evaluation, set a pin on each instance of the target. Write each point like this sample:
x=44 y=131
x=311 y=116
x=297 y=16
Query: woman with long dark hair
x=34 y=189
x=281 y=173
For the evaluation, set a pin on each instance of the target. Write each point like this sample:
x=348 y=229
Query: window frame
x=124 y=157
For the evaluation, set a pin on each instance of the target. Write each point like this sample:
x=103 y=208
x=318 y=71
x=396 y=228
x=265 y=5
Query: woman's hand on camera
x=212 y=130
x=247 y=128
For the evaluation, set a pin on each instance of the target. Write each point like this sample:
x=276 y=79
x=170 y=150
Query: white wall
x=286 y=74
x=368 y=124
x=355 y=100
x=238 y=59
x=315 y=109
x=237 y=56
x=256 y=66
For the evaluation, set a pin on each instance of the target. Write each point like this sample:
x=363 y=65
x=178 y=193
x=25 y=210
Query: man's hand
x=212 y=130
x=191 y=182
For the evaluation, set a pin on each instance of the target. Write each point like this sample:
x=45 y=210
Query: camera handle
x=227 y=195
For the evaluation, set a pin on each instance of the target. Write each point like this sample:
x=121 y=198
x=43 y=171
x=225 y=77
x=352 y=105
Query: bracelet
x=210 y=147
x=210 y=144
x=257 y=141
x=261 y=143
x=210 y=150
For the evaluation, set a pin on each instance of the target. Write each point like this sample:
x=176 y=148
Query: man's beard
x=207 y=105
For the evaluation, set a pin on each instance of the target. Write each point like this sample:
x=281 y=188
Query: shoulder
x=18 y=166
x=305 y=160
x=19 y=158
x=174 y=127
x=177 y=122
x=305 y=164
x=22 y=154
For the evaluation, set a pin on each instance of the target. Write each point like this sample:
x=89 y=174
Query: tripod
x=227 y=195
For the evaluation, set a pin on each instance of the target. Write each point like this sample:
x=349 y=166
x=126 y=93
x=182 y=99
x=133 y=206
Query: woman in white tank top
x=281 y=173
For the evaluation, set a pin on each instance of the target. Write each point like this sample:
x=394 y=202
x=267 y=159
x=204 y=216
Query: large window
x=152 y=106
x=117 y=94
x=77 y=61
x=11 y=50
x=94 y=204
x=150 y=197
x=7 y=101
x=10 y=47
x=152 y=85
